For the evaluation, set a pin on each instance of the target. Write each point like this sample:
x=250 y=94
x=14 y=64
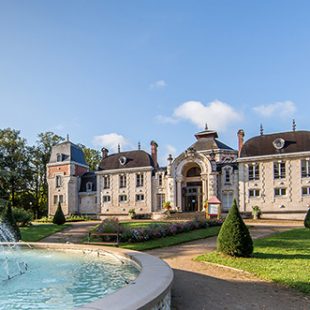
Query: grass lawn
x=140 y=224
x=172 y=240
x=283 y=258
x=39 y=231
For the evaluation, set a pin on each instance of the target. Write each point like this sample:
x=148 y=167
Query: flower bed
x=152 y=231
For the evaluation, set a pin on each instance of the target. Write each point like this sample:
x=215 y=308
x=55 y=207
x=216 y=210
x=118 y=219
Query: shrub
x=59 y=218
x=234 y=238
x=22 y=216
x=132 y=213
x=9 y=219
x=109 y=225
x=45 y=219
x=77 y=218
x=307 y=219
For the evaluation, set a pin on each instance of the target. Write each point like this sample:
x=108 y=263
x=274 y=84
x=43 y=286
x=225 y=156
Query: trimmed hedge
x=307 y=219
x=234 y=238
x=59 y=217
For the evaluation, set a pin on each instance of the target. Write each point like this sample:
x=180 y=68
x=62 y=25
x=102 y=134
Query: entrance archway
x=192 y=188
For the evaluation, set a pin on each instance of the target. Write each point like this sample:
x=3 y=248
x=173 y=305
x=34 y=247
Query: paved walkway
x=199 y=286
x=73 y=234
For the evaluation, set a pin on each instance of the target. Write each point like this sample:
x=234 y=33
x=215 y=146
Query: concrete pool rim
x=150 y=288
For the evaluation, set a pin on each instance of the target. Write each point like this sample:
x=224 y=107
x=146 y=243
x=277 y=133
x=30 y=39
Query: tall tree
x=41 y=154
x=92 y=157
x=15 y=171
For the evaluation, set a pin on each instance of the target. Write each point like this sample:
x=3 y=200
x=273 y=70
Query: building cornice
x=273 y=157
x=125 y=170
x=67 y=162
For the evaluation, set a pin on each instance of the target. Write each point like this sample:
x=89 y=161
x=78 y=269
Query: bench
x=98 y=234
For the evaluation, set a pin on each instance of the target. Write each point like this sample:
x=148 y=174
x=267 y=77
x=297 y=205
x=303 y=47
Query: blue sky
x=128 y=71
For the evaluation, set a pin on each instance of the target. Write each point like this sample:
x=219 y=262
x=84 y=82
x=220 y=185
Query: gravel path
x=206 y=286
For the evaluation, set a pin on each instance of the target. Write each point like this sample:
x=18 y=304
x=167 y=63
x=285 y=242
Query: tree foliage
x=59 y=217
x=234 y=238
x=92 y=157
x=307 y=219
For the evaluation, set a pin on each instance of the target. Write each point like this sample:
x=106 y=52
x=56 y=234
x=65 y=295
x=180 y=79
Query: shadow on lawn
x=281 y=256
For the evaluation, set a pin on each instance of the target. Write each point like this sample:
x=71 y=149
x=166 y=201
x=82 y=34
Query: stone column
x=179 y=192
x=204 y=180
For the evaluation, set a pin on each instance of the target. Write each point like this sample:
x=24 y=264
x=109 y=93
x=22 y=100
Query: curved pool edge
x=151 y=290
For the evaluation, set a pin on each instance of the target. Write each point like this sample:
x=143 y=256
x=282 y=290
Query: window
x=106 y=198
x=106 y=182
x=122 y=181
x=122 y=198
x=160 y=180
x=59 y=157
x=58 y=181
x=253 y=172
x=89 y=186
x=227 y=200
x=305 y=191
x=280 y=191
x=254 y=193
x=160 y=201
x=227 y=176
x=139 y=180
x=305 y=168
x=58 y=198
x=279 y=170
x=139 y=197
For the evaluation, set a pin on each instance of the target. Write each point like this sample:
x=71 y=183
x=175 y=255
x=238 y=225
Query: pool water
x=61 y=280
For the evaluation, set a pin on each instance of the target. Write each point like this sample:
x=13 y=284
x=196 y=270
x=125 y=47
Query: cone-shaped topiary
x=9 y=220
x=307 y=219
x=234 y=238
x=59 y=217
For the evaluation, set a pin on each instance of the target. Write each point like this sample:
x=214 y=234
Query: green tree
x=92 y=157
x=41 y=154
x=9 y=220
x=234 y=238
x=15 y=169
x=59 y=217
x=307 y=219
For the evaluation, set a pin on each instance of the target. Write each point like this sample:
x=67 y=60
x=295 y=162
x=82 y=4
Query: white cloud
x=160 y=84
x=166 y=119
x=111 y=141
x=217 y=114
x=284 y=109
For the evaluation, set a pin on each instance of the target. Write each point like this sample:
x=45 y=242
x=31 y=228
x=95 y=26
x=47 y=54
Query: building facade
x=269 y=171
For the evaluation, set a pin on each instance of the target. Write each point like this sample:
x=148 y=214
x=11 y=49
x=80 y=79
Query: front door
x=192 y=199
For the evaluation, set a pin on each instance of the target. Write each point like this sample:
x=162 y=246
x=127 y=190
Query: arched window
x=193 y=172
x=59 y=157
x=58 y=180
x=89 y=186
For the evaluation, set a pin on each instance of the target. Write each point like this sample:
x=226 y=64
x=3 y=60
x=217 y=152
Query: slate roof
x=203 y=144
x=134 y=159
x=88 y=177
x=295 y=141
x=69 y=151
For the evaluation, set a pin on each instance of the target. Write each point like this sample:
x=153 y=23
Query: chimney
x=154 y=147
x=240 y=135
x=104 y=152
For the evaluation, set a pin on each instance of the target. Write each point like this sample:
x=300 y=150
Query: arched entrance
x=192 y=188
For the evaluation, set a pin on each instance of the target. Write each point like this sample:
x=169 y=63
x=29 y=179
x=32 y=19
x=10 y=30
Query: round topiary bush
x=59 y=217
x=307 y=219
x=9 y=219
x=234 y=238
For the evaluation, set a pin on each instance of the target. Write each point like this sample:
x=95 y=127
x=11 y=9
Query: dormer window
x=58 y=180
x=59 y=157
x=89 y=186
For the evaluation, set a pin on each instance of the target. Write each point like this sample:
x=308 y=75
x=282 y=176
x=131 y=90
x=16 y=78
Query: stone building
x=274 y=174
x=270 y=171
